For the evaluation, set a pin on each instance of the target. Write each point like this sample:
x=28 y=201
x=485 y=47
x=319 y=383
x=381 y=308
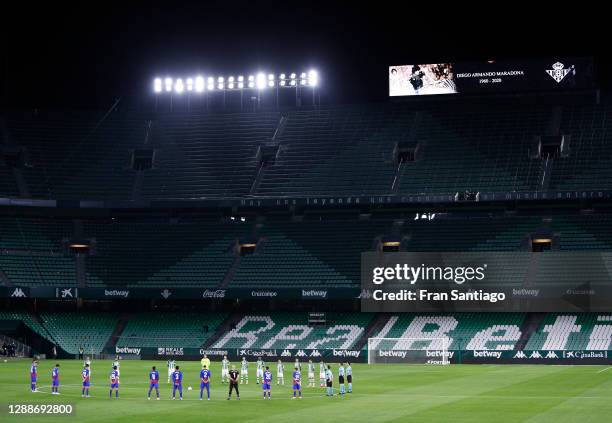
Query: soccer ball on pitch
x=189 y=388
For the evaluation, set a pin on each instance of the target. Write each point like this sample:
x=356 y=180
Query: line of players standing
x=326 y=376
x=232 y=377
x=85 y=378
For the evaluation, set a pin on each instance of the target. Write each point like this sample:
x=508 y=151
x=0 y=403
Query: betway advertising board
x=573 y=357
x=392 y=356
x=251 y=354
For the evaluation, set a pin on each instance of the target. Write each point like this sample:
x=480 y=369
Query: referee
x=233 y=383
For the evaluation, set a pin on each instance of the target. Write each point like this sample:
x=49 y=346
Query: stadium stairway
x=223 y=328
x=206 y=155
x=227 y=279
x=139 y=174
x=548 y=162
x=374 y=327
x=530 y=325
x=273 y=143
x=124 y=318
x=5 y=279
x=410 y=139
x=39 y=326
x=588 y=163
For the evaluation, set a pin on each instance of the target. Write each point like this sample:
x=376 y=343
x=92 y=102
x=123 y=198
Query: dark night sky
x=84 y=56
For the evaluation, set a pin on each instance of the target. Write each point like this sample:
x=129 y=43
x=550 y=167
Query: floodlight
x=313 y=78
x=261 y=81
x=199 y=84
x=157 y=85
x=179 y=87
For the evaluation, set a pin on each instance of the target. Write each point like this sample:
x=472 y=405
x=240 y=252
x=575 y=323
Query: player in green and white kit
x=87 y=362
x=280 y=369
x=329 y=380
x=116 y=364
x=171 y=367
x=349 y=378
x=244 y=371
x=225 y=369
x=260 y=370
x=311 y=377
x=341 y=379
x=322 y=373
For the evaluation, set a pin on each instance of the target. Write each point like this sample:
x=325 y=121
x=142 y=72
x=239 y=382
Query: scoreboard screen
x=552 y=74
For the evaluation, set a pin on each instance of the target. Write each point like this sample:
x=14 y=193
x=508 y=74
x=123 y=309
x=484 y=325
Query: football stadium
x=213 y=238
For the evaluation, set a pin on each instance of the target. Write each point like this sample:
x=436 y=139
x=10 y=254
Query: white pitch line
x=249 y=397
x=603 y=370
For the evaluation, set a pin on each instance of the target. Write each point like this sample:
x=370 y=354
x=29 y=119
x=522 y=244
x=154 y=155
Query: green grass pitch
x=382 y=393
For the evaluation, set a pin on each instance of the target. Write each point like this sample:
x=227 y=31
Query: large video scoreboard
x=550 y=74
